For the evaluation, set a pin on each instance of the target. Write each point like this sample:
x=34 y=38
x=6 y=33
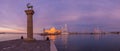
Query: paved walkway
x=20 y=45
x=52 y=46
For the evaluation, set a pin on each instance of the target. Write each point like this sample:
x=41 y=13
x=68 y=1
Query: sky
x=79 y=15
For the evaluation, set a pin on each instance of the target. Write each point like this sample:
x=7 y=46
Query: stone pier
x=21 y=45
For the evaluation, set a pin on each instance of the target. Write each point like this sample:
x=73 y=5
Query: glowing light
x=52 y=30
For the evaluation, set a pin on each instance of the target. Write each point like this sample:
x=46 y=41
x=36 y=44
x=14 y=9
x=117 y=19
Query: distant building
x=52 y=30
x=64 y=29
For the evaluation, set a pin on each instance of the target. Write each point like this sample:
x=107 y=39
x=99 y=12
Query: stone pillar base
x=29 y=40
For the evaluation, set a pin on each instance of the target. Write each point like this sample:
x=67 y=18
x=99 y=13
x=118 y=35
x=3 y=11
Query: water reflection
x=5 y=37
x=52 y=37
x=64 y=40
x=97 y=36
x=96 y=42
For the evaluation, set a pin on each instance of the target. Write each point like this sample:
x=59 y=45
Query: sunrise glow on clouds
x=78 y=14
x=3 y=29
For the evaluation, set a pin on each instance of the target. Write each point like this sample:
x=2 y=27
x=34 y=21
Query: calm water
x=109 y=42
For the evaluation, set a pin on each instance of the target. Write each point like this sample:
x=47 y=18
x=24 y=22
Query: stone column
x=29 y=14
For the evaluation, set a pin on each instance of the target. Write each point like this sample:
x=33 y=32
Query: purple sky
x=80 y=15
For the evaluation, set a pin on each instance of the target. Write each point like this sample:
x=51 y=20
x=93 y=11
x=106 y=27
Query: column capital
x=29 y=12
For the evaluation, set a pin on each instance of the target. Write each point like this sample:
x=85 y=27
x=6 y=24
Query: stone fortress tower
x=29 y=12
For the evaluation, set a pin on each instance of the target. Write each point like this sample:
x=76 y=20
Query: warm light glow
x=2 y=29
x=52 y=37
x=52 y=30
